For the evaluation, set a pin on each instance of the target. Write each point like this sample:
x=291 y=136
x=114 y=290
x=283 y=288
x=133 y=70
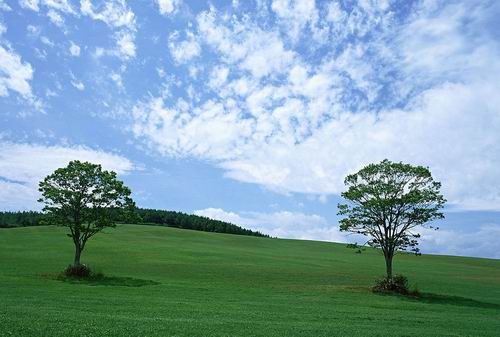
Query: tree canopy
x=83 y=197
x=388 y=202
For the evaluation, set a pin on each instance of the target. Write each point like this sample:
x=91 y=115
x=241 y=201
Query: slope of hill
x=171 y=282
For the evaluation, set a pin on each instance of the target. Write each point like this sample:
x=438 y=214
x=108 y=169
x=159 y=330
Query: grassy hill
x=174 y=282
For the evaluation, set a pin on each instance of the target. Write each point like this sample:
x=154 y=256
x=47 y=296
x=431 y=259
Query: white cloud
x=60 y=5
x=296 y=14
x=297 y=225
x=125 y=45
x=267 y=56
x=183 y=51
x=99 y=52
x=117 y=78
x=4 y=6
x=245 y=44
x=282 y=224
x=15 y=74
x=78 y=84
x=33 y=31
x=439 y=132
x=161 y=72
x=297 y=121
x=334 y=13
x=30 y=4
x=55 y=18
x=50 y=93
x=115 y=13
x=19 y=177
x=54 y=5
x=55 y=9
x=480 y=243
x=74 y=49
x=218 y=77
x=175 y=131
x=118 y=16
x=167 y=7
x=46 y=41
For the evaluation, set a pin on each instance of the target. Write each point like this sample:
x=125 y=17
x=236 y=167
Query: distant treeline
x=142 y=216
x=190 y=221
x=20 y=219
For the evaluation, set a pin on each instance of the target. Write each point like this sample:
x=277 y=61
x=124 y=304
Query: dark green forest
x=142 y=216
x=190 y=221
x=20 y=219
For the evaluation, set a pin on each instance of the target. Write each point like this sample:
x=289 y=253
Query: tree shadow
x=431 y=298
x=102 y=280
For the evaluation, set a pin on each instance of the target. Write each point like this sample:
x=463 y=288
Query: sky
x=253 y=112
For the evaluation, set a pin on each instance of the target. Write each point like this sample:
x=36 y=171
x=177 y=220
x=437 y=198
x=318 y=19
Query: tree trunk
x=78 y=252
x=388 y=265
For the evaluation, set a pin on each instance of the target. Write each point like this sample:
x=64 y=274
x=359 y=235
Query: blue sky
x=254 y=112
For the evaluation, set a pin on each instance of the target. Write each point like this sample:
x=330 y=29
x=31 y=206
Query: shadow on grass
x=446 y=300
x=102 y=280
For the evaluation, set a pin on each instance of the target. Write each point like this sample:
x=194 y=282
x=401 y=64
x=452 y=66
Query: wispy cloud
x=15 y=74
x=119 y=17
x=20 y=177
x=167 y=7
x=417 y=88
x=74 y=49
x=283 y=224
x=185 y=50
x=297 y=225
x=480 y=243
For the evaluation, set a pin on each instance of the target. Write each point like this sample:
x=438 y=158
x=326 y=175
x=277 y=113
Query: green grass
x=171 y=282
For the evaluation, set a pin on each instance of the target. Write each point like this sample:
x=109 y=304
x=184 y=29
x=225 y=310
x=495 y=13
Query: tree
x=388 y=202
x=84 y=198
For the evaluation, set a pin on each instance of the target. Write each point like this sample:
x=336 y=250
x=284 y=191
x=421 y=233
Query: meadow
x=173 y=282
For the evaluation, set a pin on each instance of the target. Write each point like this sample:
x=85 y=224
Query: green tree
x=388 y=202
x=85 y=198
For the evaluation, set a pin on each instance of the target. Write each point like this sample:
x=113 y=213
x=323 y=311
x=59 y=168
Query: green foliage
x=191 y=221
x=398 y=284
x=20 y=219
x=80 y=271
x=356 y=247
x=139 y=216
x=190 y=283
x=388 y=202
x=84 y=198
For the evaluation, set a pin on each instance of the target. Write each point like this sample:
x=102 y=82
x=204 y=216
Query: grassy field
x=171 y=282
